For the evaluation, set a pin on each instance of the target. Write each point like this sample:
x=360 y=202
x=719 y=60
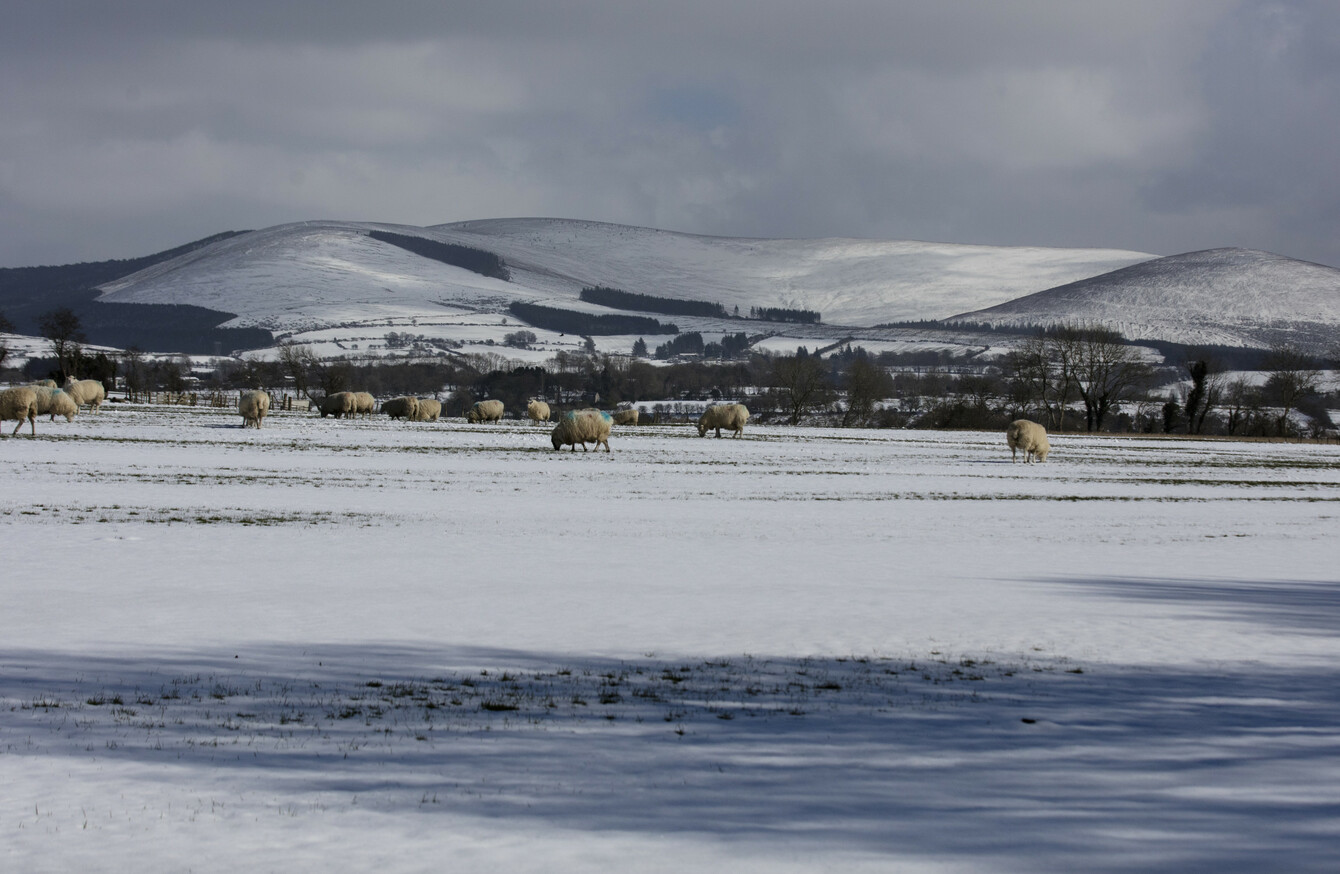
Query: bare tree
x=1105 y=370
x=6 y=327
x=1043 y=369
x=1208 y=382
x=1030 y=369
x=334 y=376
x=62 y=327
x=1240 y=398
x=802 y=383
x=133 y=370
x=298 y=361
x=1291 y=376
x=866 y=383
x=1064 y=350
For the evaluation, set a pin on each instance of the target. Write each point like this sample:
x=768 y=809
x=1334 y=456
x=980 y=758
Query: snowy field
x=337 y=646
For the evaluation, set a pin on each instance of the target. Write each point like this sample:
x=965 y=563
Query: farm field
x=334 y=645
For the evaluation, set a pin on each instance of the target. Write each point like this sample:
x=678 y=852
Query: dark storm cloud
x=1160 y=126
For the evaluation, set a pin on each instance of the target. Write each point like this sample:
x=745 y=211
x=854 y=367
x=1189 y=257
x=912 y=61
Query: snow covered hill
x=319 y=274
x=851 y=282
x=331 y=284
x=1231 y=297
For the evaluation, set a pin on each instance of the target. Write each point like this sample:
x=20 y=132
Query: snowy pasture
x=331 y=645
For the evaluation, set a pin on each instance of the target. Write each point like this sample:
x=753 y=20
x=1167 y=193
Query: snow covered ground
x=338 y=645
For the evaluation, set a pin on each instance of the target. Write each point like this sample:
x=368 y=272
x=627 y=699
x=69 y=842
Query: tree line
x=466 y=257
x=1069 y=378
x=628 y=300
x=587 y=324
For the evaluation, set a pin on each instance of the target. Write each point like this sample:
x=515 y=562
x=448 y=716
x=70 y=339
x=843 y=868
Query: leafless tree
x=802 y=384
x=1208 y=382
x=298 y=361
x=1105 y=371
x=1291 y=375
x=134 y=373
x=1240 y=398
x=6 y=327
x=62 y=327
x=866 y=383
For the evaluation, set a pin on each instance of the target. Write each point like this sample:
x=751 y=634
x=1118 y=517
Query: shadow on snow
x=1015 y=762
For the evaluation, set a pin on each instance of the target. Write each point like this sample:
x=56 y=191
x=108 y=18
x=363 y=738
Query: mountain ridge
x=1229 y=296
x=857 y=282
x=320 y=279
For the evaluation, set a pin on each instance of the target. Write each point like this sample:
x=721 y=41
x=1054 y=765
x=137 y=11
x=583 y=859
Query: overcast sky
x=129 y=127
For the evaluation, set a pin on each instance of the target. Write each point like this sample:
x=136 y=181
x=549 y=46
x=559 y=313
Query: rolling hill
x=1228 y=297
x=343 y=286
x=321 y=275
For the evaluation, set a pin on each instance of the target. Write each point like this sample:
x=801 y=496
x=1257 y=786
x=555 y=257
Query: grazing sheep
x=485 y=411
x=19 y=403
x=1028 y=437
x=45 y=383
x=428 y=410
x=339 y=404
x=401 y=408
x=54 y=401
x=364 y=404
x=86 y=392
x=537 y=411
x=61 y=404
x=626 y=417
x=583 y=426
x=253 y=405
x=729 y=416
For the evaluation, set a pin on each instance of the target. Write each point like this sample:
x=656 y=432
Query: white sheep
x=339 y=404
x=86 y=392
x=253 y=405
x=1029 y=438
x=364 y=404
x=485 y=411
x=401 y=408
x=427 y=410
x=729 y=416
x=19 y=403
x=626 y=417
x=537 y=411
x=583 y=426
x=62 y=404
x=54 y=401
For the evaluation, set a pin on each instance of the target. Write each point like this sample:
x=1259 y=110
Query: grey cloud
x=1159 y=126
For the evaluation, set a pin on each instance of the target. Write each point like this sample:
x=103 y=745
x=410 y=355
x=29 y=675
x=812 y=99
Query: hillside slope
x=1231 y=297
x=850 y=281
x=320 y=274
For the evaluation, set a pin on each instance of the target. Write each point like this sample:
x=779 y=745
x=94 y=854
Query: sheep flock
x=582 y=426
